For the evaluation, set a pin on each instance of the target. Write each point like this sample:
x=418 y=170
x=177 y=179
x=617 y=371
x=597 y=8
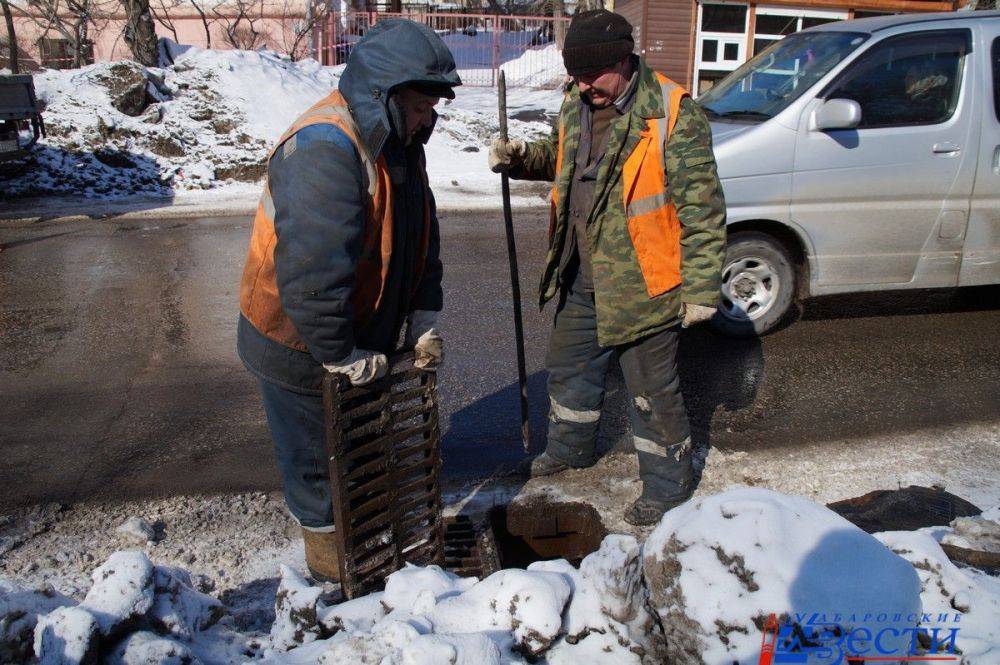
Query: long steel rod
x=515 y=282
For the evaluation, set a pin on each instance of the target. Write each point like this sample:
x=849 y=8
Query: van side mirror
x=837 y=114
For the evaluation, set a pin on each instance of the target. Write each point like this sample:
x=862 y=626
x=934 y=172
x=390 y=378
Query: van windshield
x=765 y=85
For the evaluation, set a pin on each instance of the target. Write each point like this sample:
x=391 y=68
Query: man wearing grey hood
x=344 y=253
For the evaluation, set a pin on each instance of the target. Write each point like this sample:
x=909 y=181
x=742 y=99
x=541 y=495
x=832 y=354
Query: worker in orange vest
x=344 y=253
x=636 y=245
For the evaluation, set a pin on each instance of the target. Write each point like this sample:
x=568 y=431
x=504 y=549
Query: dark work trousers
x=577 y=367
x=297 y=430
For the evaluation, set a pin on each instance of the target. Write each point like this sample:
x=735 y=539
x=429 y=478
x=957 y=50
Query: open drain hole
x=539 y=529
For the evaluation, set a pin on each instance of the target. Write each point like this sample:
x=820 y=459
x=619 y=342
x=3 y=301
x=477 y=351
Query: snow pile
x=541 y=67
x=607 y=612
x=946 y=589
x=19 y=612
x=208 y=120
x=135 y=612
x=981 y=532
x=697 y=591
x=717 y=567
x=122 y=591
x=66 y=635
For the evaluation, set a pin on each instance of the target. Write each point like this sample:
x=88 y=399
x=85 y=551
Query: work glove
x=505 y=154
x=692 y=314
x=361 y=367
x=428 y=346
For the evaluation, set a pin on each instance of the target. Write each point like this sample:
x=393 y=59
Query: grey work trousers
x=577 y=367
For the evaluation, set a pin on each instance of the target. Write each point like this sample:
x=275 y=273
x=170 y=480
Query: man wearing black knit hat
x=637 y=239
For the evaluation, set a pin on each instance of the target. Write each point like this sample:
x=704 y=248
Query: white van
x=859 y=156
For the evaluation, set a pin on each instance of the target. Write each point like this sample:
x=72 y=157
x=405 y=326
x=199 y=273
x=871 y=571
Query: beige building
x=277 y=24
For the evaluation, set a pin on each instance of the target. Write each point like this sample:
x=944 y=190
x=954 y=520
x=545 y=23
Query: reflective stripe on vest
x=259 y=299
x=653 y=224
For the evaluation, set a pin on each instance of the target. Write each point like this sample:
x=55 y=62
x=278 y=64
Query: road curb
x=49 y=209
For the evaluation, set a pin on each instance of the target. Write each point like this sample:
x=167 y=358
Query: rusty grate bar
x=383 y=445
x=469 y=548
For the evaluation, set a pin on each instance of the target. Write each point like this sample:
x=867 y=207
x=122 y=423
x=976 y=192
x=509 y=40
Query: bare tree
x=297 y=30
x=242 y=29
x=140 y=33
x=162 y=15
x=73 y=20
x=11 y=37
x=204 y=22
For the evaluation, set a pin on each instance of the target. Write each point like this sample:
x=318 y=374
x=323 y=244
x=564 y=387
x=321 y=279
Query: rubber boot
x=542 y=465
x=321 y=556
x=644 y=512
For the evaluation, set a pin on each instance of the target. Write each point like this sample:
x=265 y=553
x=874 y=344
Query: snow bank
x=19 y=612
x=66 y=636
x=295 y=621
x=717 y=567
x=123 y=590
x=607 y=617
x=207 y=122
x=946 y=589
x=695 y=592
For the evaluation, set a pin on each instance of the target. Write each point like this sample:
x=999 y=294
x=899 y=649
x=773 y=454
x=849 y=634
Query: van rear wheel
x=758 y=285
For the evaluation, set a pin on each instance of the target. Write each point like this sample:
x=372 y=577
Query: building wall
x=670 y=35
x=663 y=34
x=275 y=27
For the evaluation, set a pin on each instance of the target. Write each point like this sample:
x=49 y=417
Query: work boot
x=542 y=465
x=646 y=512
x=322 y=559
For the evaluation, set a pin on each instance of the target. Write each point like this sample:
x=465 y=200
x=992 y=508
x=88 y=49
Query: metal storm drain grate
x=383 y=445
x=469 y=548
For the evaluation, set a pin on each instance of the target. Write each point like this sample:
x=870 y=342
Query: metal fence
x=526 y=48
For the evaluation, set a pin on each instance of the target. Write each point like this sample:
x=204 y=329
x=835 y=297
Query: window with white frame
x=774 y=23
x=723 y=41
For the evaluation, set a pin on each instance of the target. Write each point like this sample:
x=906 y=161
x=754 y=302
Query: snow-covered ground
x=699 y=590
x=797 y=554
x=200 y=129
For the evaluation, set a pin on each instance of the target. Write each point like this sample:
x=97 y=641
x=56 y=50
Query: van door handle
x=946 y=148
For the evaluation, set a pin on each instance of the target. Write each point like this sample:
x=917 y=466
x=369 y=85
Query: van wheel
x=758 y=285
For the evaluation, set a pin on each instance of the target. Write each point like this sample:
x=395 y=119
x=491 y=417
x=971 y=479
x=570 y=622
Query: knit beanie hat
x=595 y=40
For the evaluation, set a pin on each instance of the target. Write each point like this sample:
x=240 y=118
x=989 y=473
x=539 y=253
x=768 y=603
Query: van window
x=907 y=80
x=764 y=86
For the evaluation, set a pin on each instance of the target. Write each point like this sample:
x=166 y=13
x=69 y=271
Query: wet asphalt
x=119 y=379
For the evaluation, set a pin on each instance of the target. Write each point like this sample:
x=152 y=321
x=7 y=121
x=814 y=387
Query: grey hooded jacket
x=320 y=192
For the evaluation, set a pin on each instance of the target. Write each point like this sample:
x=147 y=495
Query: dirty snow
x=206 y=122
x=718 y=566
x=707 y=574
x=233 y=547
x=947 y=589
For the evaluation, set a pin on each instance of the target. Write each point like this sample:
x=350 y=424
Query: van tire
x=759 y=285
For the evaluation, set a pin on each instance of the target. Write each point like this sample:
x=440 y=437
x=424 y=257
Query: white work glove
x=506 y=153
x=692 y=314
x=428 y=346
x=361 y=367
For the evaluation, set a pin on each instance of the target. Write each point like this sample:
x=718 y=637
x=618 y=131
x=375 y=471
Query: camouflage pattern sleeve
x=540 y=162
x=694 y=187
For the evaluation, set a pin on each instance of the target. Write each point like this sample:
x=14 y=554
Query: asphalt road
x=118 y=376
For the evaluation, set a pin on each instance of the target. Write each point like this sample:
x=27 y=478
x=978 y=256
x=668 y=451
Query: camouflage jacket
x=625 y=312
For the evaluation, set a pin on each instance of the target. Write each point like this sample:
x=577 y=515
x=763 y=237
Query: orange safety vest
x=651 y=216
x=259 y=300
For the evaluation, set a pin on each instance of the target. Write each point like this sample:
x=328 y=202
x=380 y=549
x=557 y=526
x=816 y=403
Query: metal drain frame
x=383 y=446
